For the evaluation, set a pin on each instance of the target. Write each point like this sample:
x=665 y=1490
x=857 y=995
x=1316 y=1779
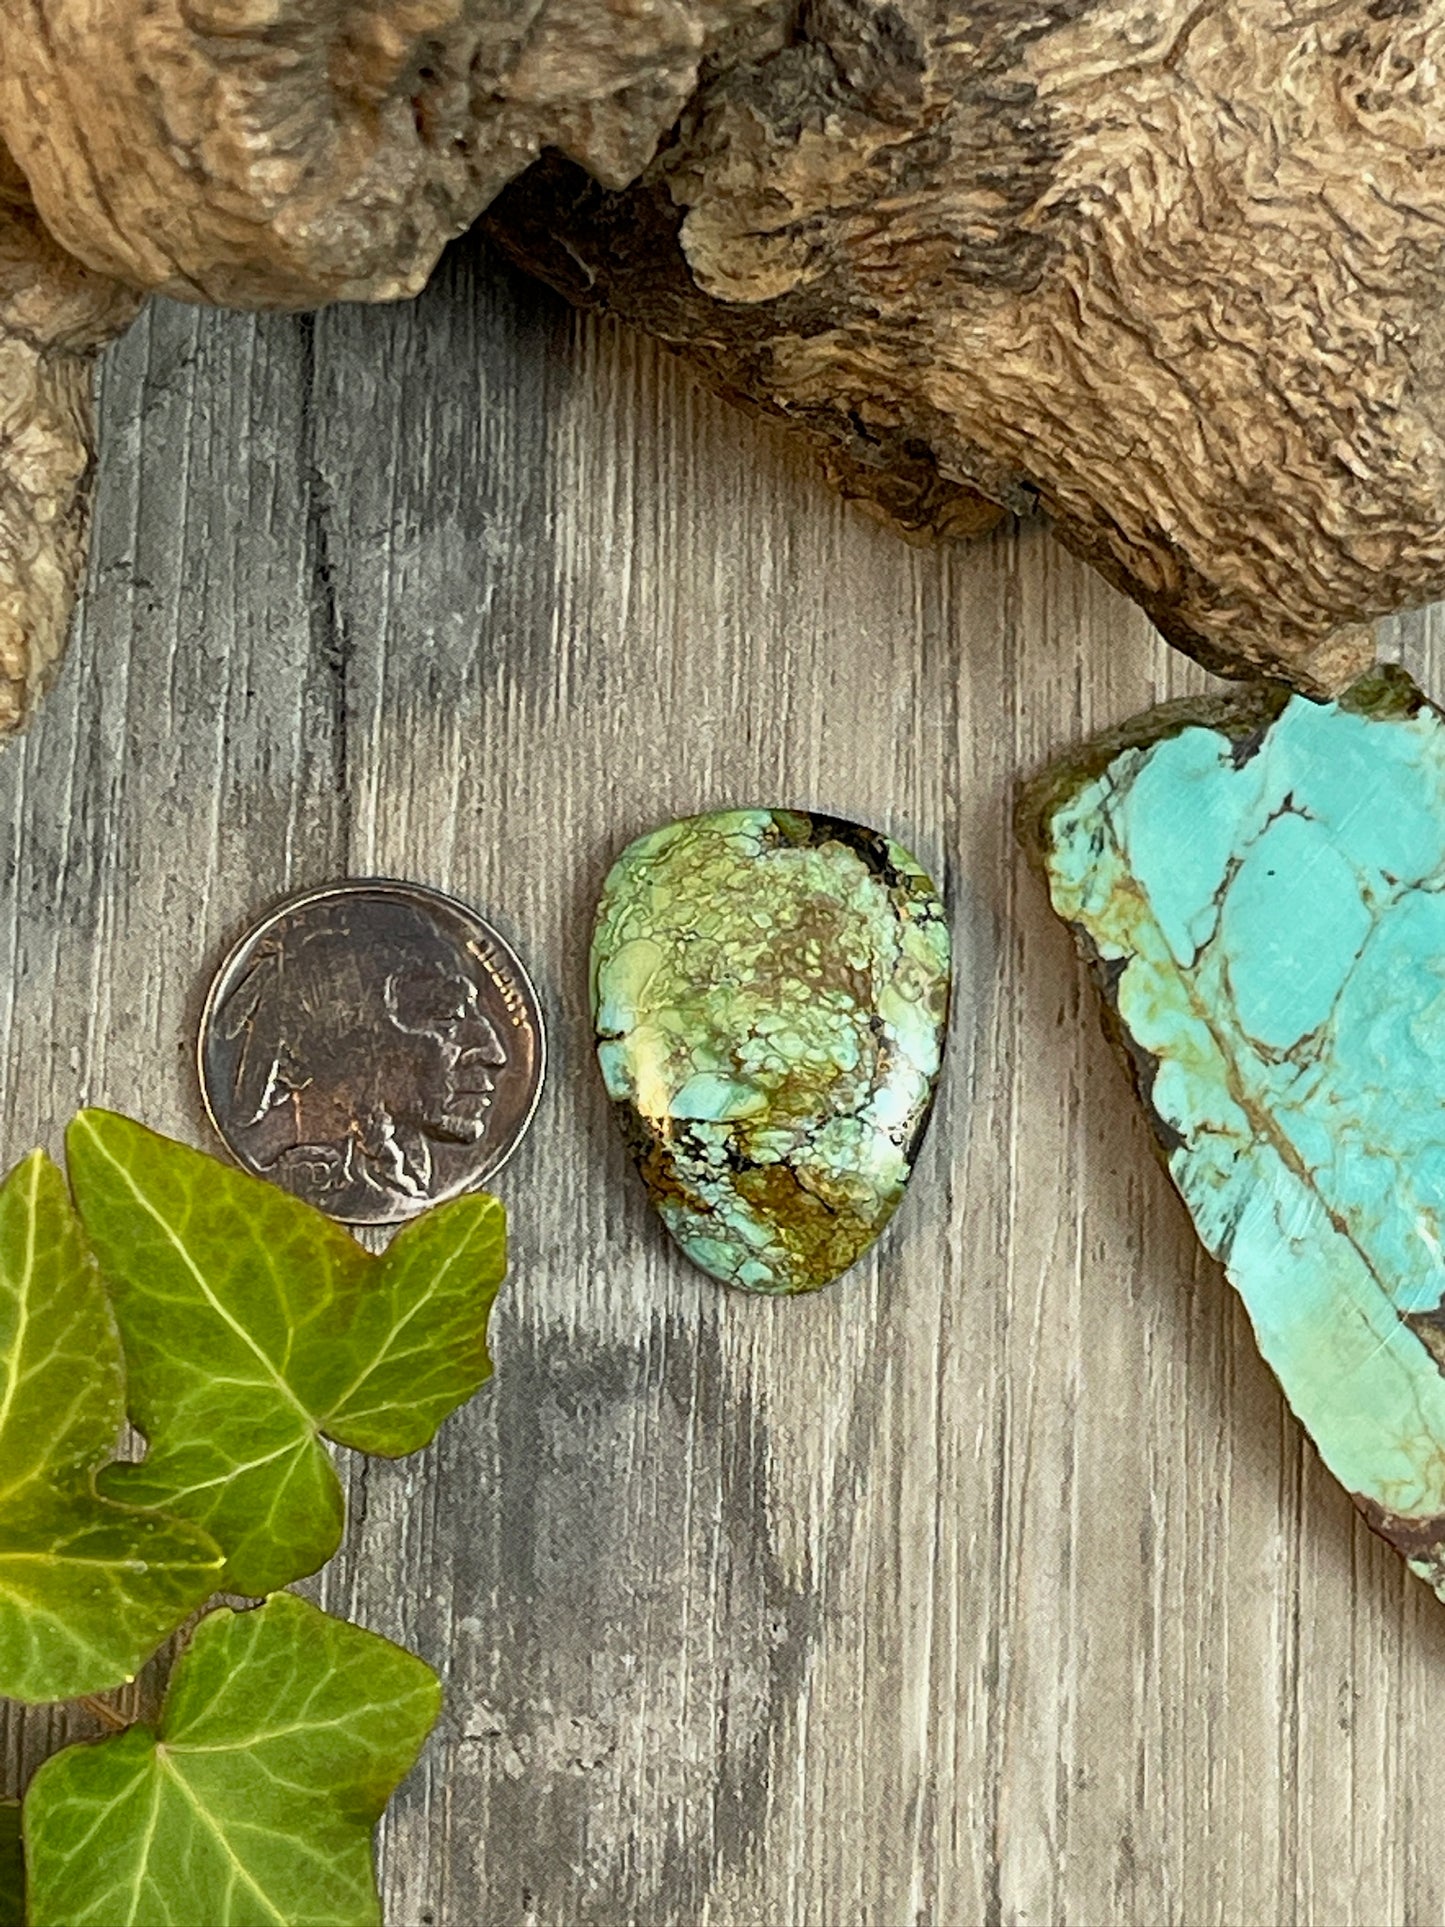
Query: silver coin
x=373 y=1047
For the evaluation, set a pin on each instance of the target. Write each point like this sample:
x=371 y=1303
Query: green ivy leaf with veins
x=282 y=1736
x=253 y=1326
x=88 y=1588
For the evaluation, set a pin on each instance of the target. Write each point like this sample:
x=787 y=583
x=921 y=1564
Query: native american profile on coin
x=363 y=1050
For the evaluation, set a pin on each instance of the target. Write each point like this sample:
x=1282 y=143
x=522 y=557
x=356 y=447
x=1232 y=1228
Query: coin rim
x=359 y=886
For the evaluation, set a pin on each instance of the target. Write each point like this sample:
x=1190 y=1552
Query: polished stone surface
x=770 y=990
x=1260 y=888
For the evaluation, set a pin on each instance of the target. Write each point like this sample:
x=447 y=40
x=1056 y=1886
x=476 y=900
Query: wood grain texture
x=992 y=1586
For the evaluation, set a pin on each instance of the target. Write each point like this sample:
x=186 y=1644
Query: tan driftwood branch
x=1175 y=274
x=1171 y=274
x=285 y=153
x=54 y=315
x=270 y=153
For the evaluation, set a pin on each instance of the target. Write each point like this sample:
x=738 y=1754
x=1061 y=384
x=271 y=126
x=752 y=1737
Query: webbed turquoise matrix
x=1261 y=889
x=770 y=990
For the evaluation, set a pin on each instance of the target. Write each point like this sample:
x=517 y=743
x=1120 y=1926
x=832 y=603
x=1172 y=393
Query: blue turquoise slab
x=770 y=990
x=1259 y=887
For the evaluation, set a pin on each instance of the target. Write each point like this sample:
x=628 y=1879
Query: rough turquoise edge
x=1245 y=718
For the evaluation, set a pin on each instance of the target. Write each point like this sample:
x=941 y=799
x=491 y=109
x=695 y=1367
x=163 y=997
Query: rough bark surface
x=271 y=153
x=285 y=153
x=54 y=315
x=1172 y=273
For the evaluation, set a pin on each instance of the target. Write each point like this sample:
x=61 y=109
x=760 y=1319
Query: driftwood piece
x=278 y=156
x=54 y=315
x=1169 y=274
x=1173 y=274
x=285 y=153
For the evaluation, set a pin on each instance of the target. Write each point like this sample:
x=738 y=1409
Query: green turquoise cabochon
x=1259 y=886
x=770 y=990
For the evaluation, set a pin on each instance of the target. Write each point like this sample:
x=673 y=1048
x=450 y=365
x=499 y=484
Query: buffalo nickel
x=373 y=1047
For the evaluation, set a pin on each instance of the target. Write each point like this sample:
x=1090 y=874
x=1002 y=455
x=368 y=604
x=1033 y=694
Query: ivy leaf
x=88 y=1589
x=283 y=1734
x=253 y=1326
x=12 y=1866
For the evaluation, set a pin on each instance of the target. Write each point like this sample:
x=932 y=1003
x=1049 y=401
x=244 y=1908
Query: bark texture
x=54 y=315
x=285 y=153
x=1170 y=273
x=1173 y=274
x=270 y=153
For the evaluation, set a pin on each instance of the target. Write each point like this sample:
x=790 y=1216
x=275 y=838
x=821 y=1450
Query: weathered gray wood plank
x=994 y=1586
